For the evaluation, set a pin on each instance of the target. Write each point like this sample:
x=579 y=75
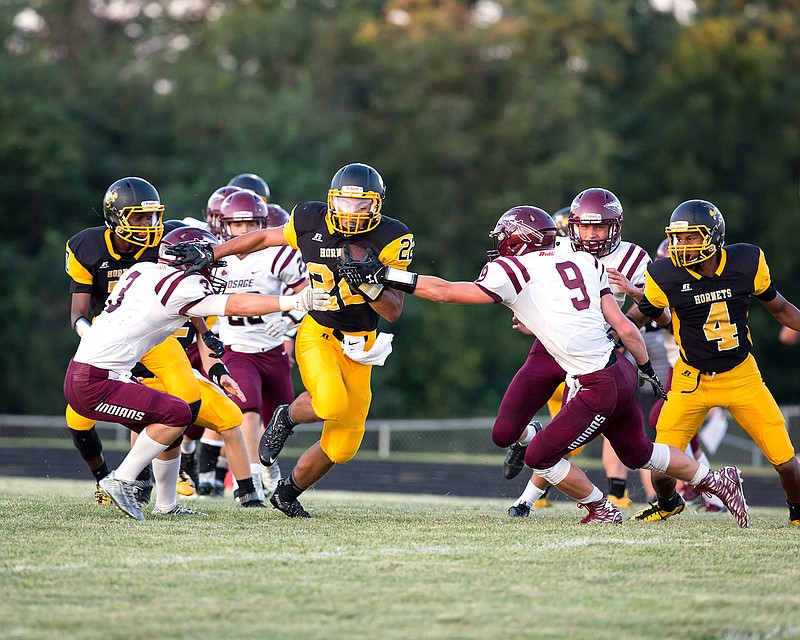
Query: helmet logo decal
x=525 y=232
x=351 y=190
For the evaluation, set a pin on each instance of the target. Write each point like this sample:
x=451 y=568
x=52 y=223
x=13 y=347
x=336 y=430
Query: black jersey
x=95 y=266
x=309 y=232
x=709 y=315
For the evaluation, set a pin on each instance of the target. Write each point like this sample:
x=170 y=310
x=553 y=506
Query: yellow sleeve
x=762 y=280
x=653 y=292
x=290 y=233
x=399 y=252
x=76 y=270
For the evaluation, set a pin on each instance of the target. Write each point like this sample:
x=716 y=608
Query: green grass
x=386 y=566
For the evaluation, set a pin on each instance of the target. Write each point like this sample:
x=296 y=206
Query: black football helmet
x=561 y=218
x=215 y=201
x=189 y=234
x=361 y=182
x=130 y=196
x=277 y=216
x=596 y=206
x=698 y=216
x=253 y=182
x=242 y=206
x=521 y=230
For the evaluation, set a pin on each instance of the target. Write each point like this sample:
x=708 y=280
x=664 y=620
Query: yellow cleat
x=542 y=503
x=794 y=523
x=624 y=502
x=654 y=512
x=185 y=484
x=101 y=498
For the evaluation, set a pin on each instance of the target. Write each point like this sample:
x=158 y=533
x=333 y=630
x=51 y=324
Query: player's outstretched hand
x=648 y=374
x=215 y=344
x=309 y=299
x=230 y=385
x=197 y=254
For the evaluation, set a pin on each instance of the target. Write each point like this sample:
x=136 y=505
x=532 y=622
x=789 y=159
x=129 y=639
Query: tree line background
x=465 y=108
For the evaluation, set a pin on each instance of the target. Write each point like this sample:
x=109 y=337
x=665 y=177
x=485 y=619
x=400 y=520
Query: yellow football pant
x=339 y=387
x=741 y=391
x=170 y=364
x=554 y=403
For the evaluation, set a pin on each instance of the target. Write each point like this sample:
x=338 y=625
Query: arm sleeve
x=213 y=305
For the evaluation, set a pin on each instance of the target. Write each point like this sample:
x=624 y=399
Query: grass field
x=386 y=566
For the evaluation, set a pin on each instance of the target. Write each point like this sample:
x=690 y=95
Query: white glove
x=309 y=299
x=353 y=347
x=276 y=328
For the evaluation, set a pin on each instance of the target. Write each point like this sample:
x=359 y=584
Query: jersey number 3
x=718 y=327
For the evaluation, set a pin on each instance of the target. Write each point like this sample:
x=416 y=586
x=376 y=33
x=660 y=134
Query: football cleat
x=123 y=495
x=177 y=510
x=291 y=508
x=250 y=500
x=653 y=512
x=514 y=460
x=101 y=498
x=143 y=486
x=726 y=484
x=624 y=502
x=185 y=484
x=521 y=510
x=189 y=466
x=601 y=511
x=274 y=436
x=794 y=523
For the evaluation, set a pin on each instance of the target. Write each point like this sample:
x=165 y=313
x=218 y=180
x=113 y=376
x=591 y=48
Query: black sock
x=289 y=488
x=616 y=487
x=292 y=423
x=101 y=472
x=668 y=504
x=220 y=473
x=209 y=454
x=794 y=510
x=245 y=486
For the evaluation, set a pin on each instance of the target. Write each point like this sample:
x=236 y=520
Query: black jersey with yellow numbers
x=95 y=266
x=709 y=315
x=309 y=232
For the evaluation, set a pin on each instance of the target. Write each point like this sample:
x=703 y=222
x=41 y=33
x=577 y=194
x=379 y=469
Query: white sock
x=188 y=446
x=594 y=496
x=702 y=472
x=222 y=462
x=527 y=436
x=165 y=473
x=531 y=494
x=140 y=455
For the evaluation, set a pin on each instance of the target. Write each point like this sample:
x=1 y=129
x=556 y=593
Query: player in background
x=95 y=260
x=594 y=226
x=565 y=300
x=149 y=304
x=335 y=349
x=256 y=355
x=708 y=288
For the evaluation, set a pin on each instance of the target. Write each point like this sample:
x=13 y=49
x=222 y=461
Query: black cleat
x=514 y=461
x=291 y=508
x=249 y=500
x=274 y=436
x=143 y=486
x=521 y=510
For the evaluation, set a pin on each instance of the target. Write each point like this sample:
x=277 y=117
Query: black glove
x=214 y=343
x=648 y=374
x=368 y=270
x=197 y=254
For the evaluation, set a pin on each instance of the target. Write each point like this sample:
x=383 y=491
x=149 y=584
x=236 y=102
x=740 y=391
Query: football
x=357 y=252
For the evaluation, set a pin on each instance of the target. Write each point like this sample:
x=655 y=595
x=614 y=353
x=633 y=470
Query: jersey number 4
x=718 y=327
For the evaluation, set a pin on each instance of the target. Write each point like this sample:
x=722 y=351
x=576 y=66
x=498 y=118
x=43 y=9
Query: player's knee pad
x=555 y=474
x=659 y=459
x=330 y=406
x=87 y=443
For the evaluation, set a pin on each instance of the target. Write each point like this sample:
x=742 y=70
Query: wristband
x=217 y=371
x=287 y=303
x=405 y=281
x=82 y=325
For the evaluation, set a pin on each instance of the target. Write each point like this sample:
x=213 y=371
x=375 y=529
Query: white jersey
x=271 y=271
x=149 y=303
x=628 y=258
x=556 y=295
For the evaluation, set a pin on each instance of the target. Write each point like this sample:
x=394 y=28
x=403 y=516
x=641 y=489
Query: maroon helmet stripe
x=510 y=273
x=489 y=293
x=182 y=275
x=624 y=261
x=642 y=256
x=525 y=275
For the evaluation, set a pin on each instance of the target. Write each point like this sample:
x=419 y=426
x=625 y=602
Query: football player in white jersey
x=566 y=301
x=149 y=303
x=594 y=225
x=256 y=355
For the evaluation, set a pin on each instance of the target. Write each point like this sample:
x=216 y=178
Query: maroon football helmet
x=212 y=208
x=596 y=206
x=663 y=249
x=242 y=206
x=277 y=216
x=197 y=236
x=521 y=230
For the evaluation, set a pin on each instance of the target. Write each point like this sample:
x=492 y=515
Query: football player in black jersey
x=708 y=288
x=95 y=259
x=334 y=349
